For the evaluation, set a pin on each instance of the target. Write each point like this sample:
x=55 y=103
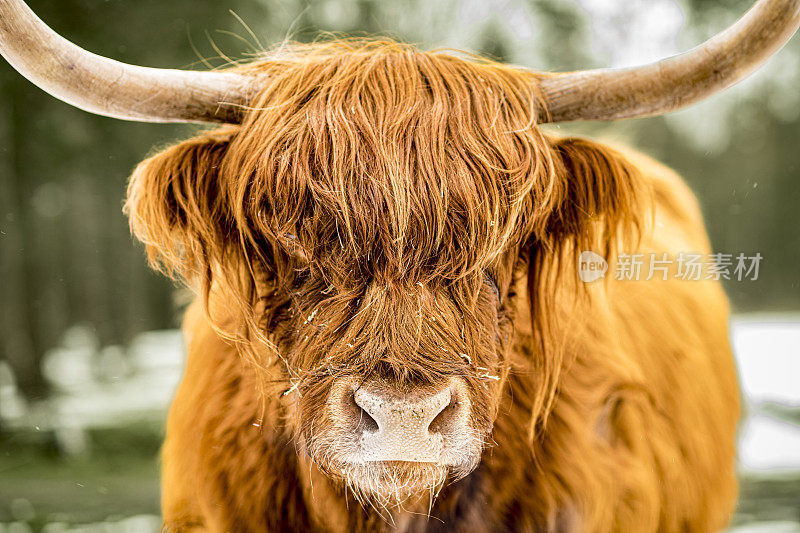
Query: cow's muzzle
x=424 y=424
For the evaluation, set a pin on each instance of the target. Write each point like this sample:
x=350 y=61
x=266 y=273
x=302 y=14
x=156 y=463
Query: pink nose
x=415 y=426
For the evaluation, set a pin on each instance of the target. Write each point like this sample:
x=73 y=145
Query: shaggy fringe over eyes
x=372 y=162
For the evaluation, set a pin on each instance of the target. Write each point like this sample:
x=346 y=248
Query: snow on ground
x=99 y=387
x=102 y=387
x=768 y=527
x=767 y=350
x=768 y=445
x=768 y=355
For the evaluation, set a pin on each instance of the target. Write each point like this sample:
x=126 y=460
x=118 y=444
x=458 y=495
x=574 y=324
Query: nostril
x=365 y=420
x=417 y=414
x=441 y=423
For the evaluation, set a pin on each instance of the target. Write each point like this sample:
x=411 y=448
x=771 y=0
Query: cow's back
x=678 y=332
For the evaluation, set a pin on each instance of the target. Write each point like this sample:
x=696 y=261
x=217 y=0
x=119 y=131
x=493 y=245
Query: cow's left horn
x=107 y=87
x=725 y=59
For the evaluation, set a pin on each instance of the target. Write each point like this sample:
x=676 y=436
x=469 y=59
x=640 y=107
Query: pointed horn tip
x=110 y=88
x=678 y=81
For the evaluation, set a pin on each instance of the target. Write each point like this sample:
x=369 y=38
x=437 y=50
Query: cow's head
x=369 y=218
x=364 y=222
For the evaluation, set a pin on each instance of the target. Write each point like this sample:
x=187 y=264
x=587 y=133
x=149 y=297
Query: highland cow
x=389 y=331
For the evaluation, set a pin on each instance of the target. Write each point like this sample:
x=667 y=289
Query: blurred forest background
x=71 y=277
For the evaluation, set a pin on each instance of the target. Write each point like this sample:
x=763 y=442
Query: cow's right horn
x=107 y=87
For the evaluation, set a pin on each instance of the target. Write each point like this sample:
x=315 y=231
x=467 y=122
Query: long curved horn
x=107 y=87
x=608 y=94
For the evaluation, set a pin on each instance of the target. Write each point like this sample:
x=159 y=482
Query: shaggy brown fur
x=384 y=211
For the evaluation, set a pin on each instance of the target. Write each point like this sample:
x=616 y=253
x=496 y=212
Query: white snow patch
x=767 y=350
x=768 y=445
x=768 y=527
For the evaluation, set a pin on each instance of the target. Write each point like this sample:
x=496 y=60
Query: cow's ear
x=177 y=205
x=603 y=194
x=599 y=203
